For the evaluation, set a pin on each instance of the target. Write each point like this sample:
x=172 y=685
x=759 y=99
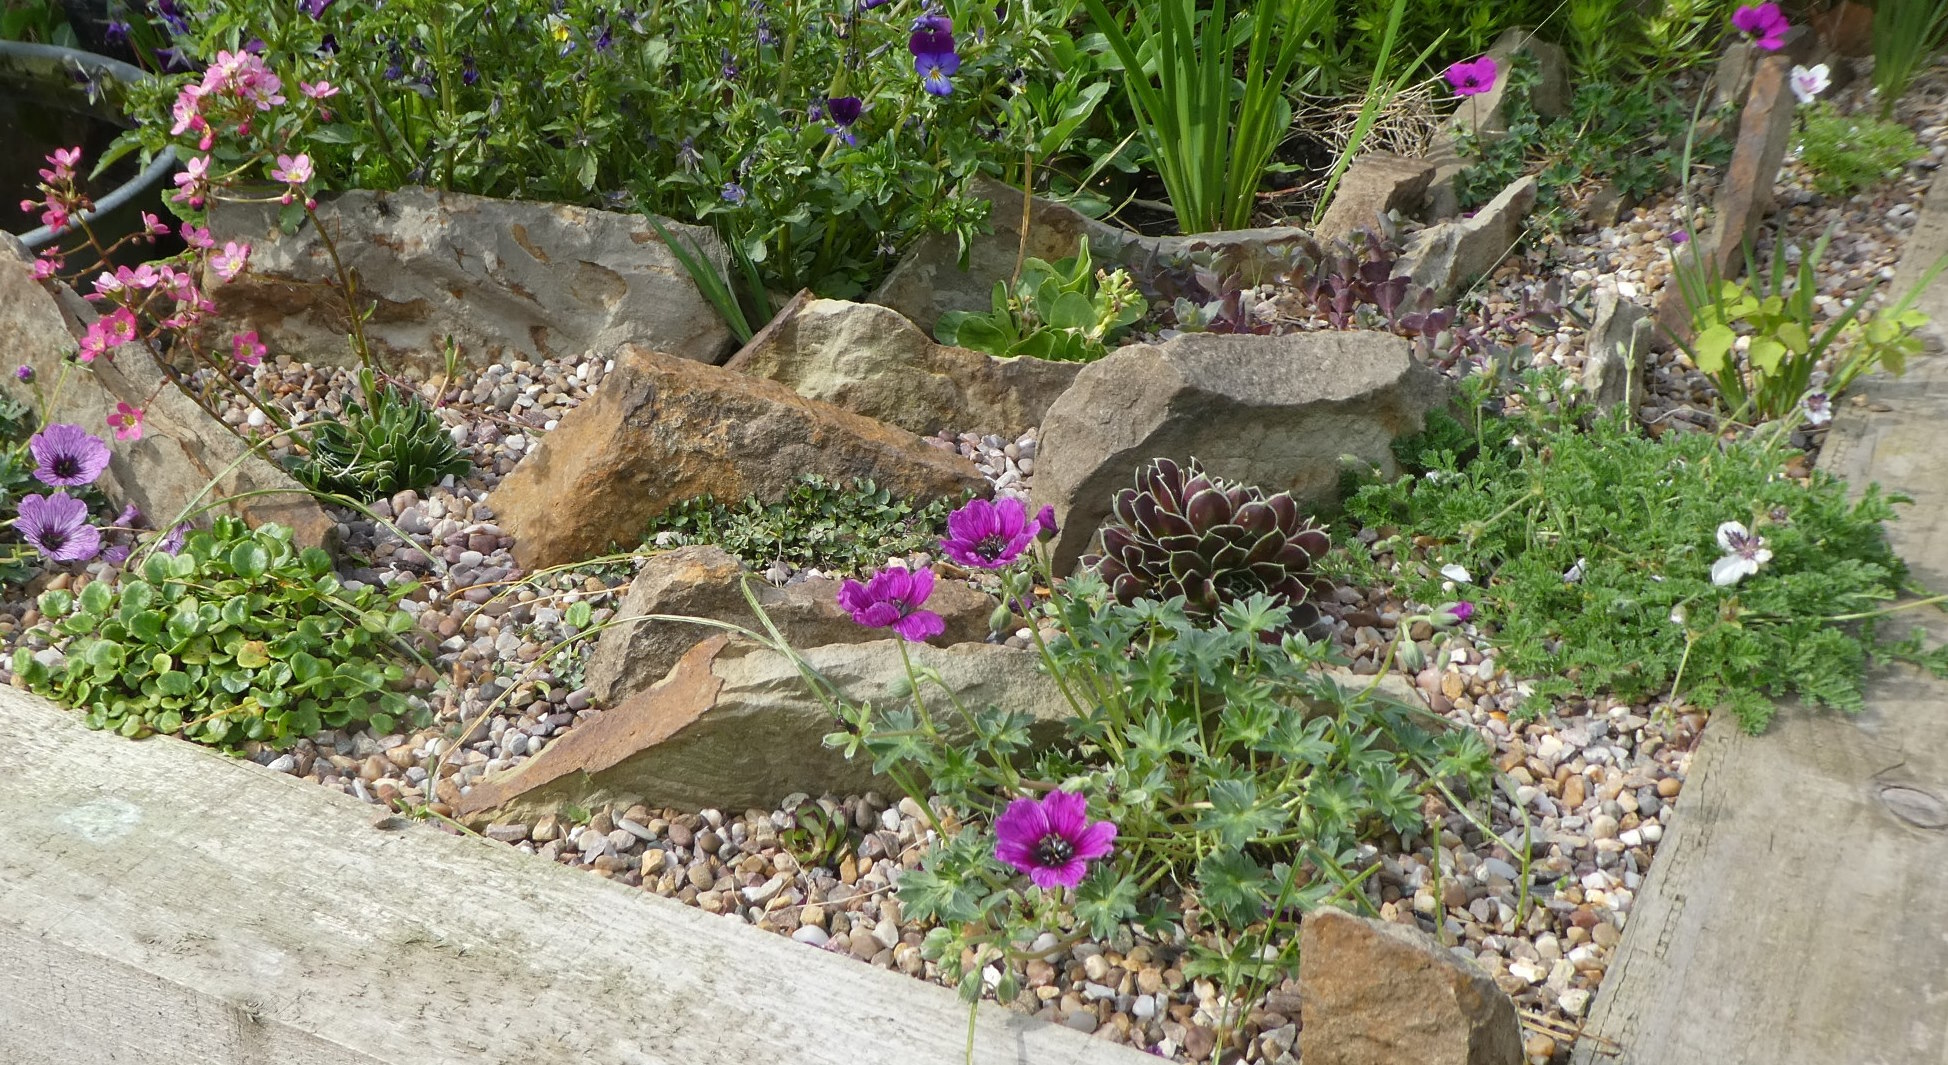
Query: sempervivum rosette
x=1183 y=532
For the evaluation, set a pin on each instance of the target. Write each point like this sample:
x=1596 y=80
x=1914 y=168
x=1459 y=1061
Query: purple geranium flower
x=988 y=535
x=1471 y=77
x=892 y=598
x=1764 y=23
x=1045 y=523
x=1052 y=840
x=67 y=456
x=934 y=57
x=57 y=526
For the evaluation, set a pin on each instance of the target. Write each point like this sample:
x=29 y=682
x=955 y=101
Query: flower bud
x=1046 y=519
x=1411 y=656
x=1448 y=615
x=1002 y=619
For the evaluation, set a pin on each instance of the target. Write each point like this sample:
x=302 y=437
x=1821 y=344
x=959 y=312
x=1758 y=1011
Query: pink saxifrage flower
x=1471 y=77
x=318 y=90
x=193 y=182
x=1052 y=839
x=892 y=598
x=111 y=330
x=1764 y=23
x=295 y=172
x=230 y=261
x=126 y=421
x=247 y=349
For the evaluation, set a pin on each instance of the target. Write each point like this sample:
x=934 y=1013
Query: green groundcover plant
x=1685 y=566
x=836 y=528
x=236 y=636
x=1848 y=153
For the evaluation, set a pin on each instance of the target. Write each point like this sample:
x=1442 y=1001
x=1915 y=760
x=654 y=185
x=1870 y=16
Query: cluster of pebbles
x=1534 y=882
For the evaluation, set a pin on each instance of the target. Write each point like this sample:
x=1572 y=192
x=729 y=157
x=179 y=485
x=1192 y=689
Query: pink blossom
x=109 y=331
x=294 y=171
x=1052 y=839
x=321 y=90
x=228 y=262
x=193 y=184
x=1764 y=23
x=126 y=421
x=55 y=217
x=247 y=349
x=154 y=226
x=45 y=267
x=196 y=236
x=64 y=160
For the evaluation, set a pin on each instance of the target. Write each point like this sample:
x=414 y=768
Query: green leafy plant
x=38 y=21
x=1848 y=153
x=1678 y=35
x=1773 y=318
x=238 y=636
x=1598 y=36
x=1380 y=94
x=1183 y=533
x=367 y=455
x=1907 y=34
x=1211 y=137
x=819 y=524
x=1596 y=551
x=1066 y=311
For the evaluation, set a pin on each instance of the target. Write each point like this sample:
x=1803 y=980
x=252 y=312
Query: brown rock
x=662 y=430
x=708 y=582
x=505 y=279
x=169 y=470
x=734 y=725
x=1277 y=412
x=1381 y=994
x=1376 y=183
x=1574 y=792
x=870 y=360
x=1448 y=257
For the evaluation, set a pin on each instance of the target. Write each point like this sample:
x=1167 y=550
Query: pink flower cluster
x=61 y=195
x=233 y=89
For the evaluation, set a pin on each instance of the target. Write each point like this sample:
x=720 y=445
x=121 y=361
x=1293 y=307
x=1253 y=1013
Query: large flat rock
x=163 y=904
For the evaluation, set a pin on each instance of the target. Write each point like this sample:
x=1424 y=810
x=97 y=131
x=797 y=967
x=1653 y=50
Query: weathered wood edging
x=163 y=904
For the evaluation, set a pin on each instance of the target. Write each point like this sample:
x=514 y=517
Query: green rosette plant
x=1065 y=311
x=238 y=636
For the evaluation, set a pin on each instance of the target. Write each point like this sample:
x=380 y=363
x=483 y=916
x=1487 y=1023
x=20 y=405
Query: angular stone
x=1376 y=993
x=705 y=581
x=1376 y=183
x=182 y=449
x=734 y=726
x=870 y=360
x=1275 y=411
x=662 y=430
x=931 y=281
x=1450 y=256
x=507 y=280
x=1616 y=349
x=1744 y=196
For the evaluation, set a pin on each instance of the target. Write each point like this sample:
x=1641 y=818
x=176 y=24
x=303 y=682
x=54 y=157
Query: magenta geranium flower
x=67 y=456
x=1764 y=23
x=1471 y=77
x=1051 y=839
x=892 y=598
x=57 y=526
x=989 y=535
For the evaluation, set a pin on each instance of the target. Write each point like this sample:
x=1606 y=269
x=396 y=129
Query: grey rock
x=1376 y=993
x=708 y=582
x=1375 y=185
x=506 y=279
x=1447 y=257
x=1277 y=411
x=1616 y=350
x=871 y=360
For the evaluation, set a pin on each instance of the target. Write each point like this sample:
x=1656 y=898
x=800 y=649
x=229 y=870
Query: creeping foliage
x=239 y=636
x=820 y=524
x=1848 y=153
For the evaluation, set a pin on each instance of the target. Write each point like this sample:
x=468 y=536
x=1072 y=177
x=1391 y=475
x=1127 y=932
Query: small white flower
x=1817 y=408
x=1809 y=82
x=1575 y=573
x=1677 y=614
x=1457 y=574
x=1744 y=554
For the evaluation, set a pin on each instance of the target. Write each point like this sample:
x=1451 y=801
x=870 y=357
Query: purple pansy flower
x=892 y=598
x=67 y=456
x=988 y=535
x=934 y=57
x=1052 y=839
x=1471 y=77
x=57 y=526
x=1764 y=23
x=733 y=192
x=845 y=110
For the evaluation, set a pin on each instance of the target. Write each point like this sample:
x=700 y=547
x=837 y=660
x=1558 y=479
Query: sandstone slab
x=1276 y=411
x=735 y=726
x=1377 y=183
x=507 y=280
x=662 y=430
x=184 y=460
x=704 y=581
x=1448 y=257
x=1375 y=993
x=1616 y=349
x=871 y=360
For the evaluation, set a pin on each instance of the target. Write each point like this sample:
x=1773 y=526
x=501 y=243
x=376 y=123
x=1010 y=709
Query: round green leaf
x=249 y=560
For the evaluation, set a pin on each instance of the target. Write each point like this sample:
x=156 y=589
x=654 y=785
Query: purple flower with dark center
x=1472 y=77
x=1052 y=839
x=469 y=74
x=687 y=155
x=116 y=33
x=766 y=37
x=57 y=526
x=934 y=57
x=730 y=69
x=172 y=541
x=845 y=110
x=67 y=456
x=733 y=192
x=604 y=40
x=988 y=535
x=892 y=598
x=1764 y=23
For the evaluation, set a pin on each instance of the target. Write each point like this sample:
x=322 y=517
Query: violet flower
x=1764 y=23
x=1473 y=76
x=845 y=110
x=934 y=57
x=988 y=535
x=67 y=456
x=1045 y=523
x=1052 y=839
x=892 y=598
x=1745 y=552
x=733 y=192
x=1818 y=408
x=57 y=526
x=316 y=8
